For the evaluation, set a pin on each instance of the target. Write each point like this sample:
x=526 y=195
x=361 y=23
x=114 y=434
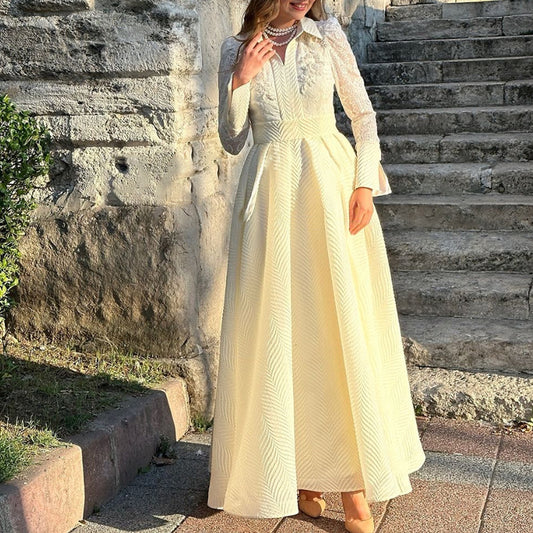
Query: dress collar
x=309 y=25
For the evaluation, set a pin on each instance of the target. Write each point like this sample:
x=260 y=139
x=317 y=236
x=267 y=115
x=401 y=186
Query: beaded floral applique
x=263 y=85
x=312 y=64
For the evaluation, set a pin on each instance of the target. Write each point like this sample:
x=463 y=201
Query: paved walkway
x=475 y=480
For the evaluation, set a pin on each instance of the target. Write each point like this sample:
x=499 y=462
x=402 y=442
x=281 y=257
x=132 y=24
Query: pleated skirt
x=312 y=389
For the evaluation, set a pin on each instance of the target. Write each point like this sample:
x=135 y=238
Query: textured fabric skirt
x=312 y=389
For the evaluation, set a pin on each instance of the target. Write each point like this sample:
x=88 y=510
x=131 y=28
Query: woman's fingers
x=255 y=55
x=360 y=208
x=360 y=218
x=268 y=52
x=358 y=227
x=264 y=46
x=255 y=40
x=258 y=43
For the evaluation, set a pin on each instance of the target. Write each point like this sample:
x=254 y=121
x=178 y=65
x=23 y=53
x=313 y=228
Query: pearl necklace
x=292 y=31
x=271 y=30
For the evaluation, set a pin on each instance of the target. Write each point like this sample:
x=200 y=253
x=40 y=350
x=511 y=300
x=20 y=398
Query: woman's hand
x=254 y=56
x=361 y=208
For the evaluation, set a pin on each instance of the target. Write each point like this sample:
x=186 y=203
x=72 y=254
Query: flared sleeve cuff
x=369 y=172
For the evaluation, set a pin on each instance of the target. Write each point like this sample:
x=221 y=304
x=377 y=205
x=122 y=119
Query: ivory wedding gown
x=312 y=389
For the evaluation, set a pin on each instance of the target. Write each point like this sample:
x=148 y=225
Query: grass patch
x=49 y=392
x=201 y=423
x=19 y=444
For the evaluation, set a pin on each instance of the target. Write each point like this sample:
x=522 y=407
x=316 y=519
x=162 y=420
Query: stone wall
x=128 y=247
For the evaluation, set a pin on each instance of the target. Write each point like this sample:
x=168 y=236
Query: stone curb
x=69 y=482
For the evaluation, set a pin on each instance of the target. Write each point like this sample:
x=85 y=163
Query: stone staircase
x=452 y=86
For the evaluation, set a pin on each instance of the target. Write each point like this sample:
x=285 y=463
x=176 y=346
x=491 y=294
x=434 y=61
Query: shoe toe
x=313 y=507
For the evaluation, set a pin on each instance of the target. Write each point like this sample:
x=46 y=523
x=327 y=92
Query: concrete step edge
x=465 y=199
x=502 y=165
x=474 y=20
x=488 y=295
x=454 y=109
x=455 y=84
x=473 y=344
x=459 y=11
x=504 y=136
x=376 y=48
x=449 y=61
x=96 y=463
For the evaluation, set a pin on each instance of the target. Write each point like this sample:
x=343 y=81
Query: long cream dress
x=312 y=389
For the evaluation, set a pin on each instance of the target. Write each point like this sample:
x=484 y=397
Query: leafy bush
x=24 y=156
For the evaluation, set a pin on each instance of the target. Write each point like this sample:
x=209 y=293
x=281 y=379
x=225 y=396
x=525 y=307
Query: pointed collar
x=309 y=25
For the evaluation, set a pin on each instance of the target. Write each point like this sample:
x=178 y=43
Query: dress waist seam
x=299 y=128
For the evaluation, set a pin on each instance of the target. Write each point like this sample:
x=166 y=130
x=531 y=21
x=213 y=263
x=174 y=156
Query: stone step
x=452 y=70
x=454 y=94
x=494 y=119
x=502 y=397
x=443 y=49
x=417 y=2
x=460 y=212
x=453 y=178
x=406 y=30
x=495 y=397
x=469 y=343
x=497 y=295
x=507 y=251
x=457 y=147
x=463 y=10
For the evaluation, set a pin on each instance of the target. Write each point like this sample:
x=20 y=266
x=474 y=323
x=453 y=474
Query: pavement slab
x=508 y=511
x=461 y=436
x=435 y=507
x=476 y=479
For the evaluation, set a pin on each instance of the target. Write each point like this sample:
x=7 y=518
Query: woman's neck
x=282 y=23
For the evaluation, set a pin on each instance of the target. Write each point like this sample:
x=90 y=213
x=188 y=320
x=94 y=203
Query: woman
x=312 y=391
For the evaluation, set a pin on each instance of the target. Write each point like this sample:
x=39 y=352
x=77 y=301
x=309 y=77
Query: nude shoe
x=313 y=507
x=360 y=526
x=355 y=525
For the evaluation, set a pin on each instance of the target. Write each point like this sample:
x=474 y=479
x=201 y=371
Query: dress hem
x=402 y=490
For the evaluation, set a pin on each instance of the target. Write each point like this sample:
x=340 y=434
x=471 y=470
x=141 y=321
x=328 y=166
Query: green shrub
x=24 y=156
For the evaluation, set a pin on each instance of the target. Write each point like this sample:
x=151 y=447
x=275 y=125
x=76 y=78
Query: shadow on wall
x=128 y=241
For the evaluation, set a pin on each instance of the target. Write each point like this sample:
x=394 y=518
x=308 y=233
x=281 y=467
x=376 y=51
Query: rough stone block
x=456 y=49
x=518 y=92
x=491 y=295
x=4 y=7
x=518 y=25
x=414 y=12
x=460 y=250
x=97 y=96
x=438 y=29
x=51 y=6
x=86 y=130
x=440 y=95
x=468 y=212
x=134 y=175
x=96 y=43
x=470 y=343
x=122 y=273
x=485 y=396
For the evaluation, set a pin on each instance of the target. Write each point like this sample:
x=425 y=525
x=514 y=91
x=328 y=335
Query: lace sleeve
x=358 y=107
x=233 y=124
